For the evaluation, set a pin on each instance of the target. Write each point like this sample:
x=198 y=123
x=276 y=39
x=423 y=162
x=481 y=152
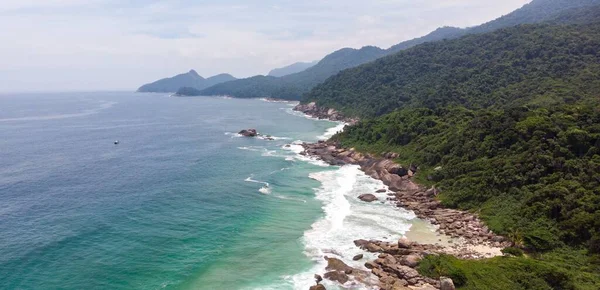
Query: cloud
x=111 y=44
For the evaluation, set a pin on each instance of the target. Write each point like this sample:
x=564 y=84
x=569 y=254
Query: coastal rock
x=337 y=276
x=317 y=287
x=357 y=257
x=411 y=260
x=361 y=243
x=446 y=284
x=367 y=197
x=334 y=264
x=315 y=111
x=373 y=248
x=248 y=133
x=318 y=278
x=404 y=243
x=370 y=265
x=410 y=196
x=381 y=190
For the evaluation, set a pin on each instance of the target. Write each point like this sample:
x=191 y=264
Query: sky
x=89 y=45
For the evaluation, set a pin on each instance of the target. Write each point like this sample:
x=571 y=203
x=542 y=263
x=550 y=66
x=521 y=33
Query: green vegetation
x=536 y=170
x=532 y=64
x=505 y=124
x=293 y=86
x=513 y=251
x=547 y=272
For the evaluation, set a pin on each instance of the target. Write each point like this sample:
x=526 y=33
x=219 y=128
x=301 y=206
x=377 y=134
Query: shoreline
x=457 y=233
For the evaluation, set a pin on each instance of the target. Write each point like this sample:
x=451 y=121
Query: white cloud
x=109 y=44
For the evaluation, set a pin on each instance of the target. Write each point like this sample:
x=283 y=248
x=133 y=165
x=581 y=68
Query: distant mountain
x=295 y=85
x=291 y=69
x=190 y=79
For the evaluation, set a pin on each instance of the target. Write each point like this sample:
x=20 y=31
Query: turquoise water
x=181 y=202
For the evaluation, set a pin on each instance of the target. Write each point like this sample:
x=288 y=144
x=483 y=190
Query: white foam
x=272 y=138
x=279 y=101
x=249 y=179
x=296 y=148
x=252 y=148
x=265 y=190
x=233 y=135
x=333 y=130
x=347 y=219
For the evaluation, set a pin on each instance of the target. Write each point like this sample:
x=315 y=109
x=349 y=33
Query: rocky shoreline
x=311 y=109
x=471 y=239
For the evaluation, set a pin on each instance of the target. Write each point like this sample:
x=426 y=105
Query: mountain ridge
x=291 y=69
x=295 y=85
x=189 y=79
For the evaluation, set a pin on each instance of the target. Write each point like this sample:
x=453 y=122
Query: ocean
x=181 y=202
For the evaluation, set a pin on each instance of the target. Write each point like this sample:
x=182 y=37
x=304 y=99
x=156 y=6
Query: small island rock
x=248 y=133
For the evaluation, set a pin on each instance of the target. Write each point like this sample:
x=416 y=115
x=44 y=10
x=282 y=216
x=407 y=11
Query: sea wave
x=266 y=189
x=333 y=130
x=347 y=219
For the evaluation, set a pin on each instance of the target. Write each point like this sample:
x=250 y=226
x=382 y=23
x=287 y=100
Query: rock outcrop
x=396 y=263
x=248 y=133
x=317 y=287
x=315 y=111
x=409 y=195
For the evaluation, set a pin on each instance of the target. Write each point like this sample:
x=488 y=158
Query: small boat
x=116 y=142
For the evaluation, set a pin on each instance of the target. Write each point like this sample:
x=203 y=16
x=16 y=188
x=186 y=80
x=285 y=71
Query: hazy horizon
x=76 y=45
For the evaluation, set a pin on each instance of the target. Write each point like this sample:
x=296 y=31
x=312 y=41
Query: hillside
x=295 y=85
x=477 y=71
x=505 y=124
x=291 y=69
x=190 y=79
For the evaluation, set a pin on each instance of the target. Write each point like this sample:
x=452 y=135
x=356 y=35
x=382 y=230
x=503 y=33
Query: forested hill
x=504 y=124
x=534 y=12
x=514 y=66
x=294 y=85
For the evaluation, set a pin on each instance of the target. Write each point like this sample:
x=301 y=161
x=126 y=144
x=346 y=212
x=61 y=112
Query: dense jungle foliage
x=521 y=65
x=505 y=124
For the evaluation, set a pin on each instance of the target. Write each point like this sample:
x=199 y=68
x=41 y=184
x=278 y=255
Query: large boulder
x=248 y=133
x=404 y=243
x=334 y=264
x=411 y=260
x=337 y=276
x=393 y=181
x=446 y=284
x=317 y=287
x=367 y=197
x=358 y=257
